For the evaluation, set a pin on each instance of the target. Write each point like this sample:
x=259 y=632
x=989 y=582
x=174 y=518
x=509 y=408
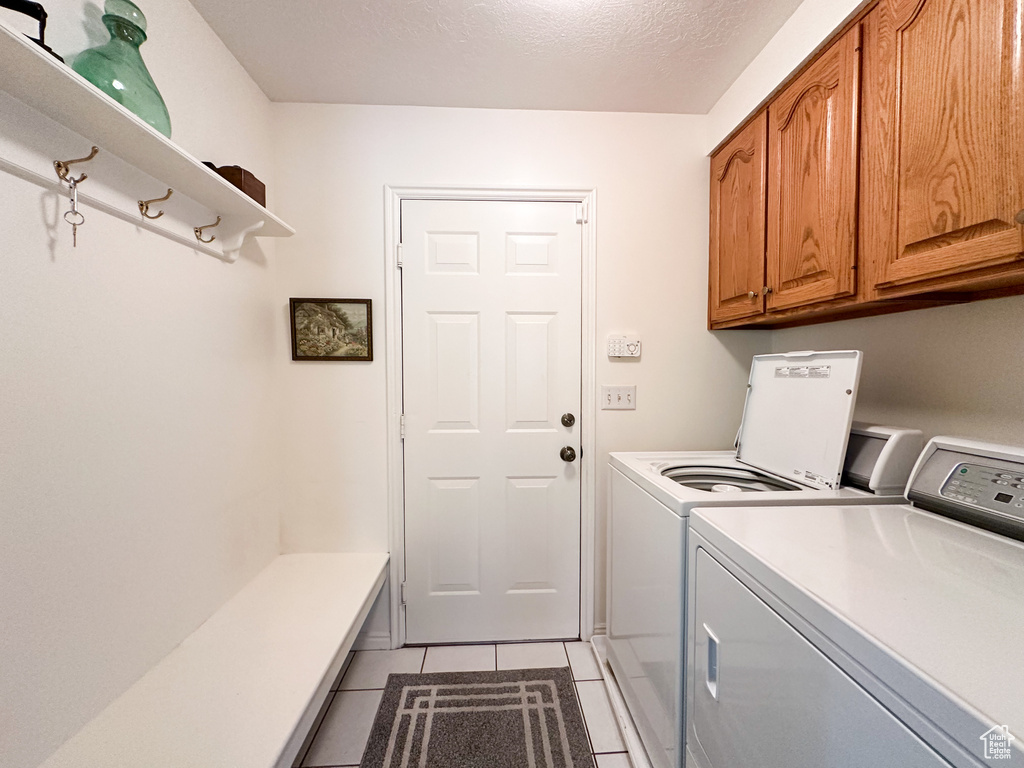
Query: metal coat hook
x=199 y=231
x=144 y=205
x=62 y=167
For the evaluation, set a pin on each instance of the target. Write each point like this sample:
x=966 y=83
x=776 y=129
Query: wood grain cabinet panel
x=812 y=184
x=958 y=138
x=736 y=268
x=894 y=172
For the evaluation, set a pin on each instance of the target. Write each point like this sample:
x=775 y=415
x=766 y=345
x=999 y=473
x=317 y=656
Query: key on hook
x=74 y=217
x=62 y=166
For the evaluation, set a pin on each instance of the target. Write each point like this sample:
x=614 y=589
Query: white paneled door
x=491 y=329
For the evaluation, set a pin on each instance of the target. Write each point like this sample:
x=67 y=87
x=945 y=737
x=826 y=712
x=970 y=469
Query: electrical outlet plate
x=618 y=398
x=623 y=346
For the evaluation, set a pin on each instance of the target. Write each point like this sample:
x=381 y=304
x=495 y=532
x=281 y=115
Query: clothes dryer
x=889 y=636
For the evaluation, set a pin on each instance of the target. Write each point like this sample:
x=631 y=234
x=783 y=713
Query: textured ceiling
x=607 y=55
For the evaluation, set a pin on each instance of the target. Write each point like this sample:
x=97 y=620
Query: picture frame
x=331 y=329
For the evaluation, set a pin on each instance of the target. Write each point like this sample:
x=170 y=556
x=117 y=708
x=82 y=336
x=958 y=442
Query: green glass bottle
x=117 y=69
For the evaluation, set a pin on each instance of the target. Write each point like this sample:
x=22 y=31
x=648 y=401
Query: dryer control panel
x=989 y=487
x=972 y=482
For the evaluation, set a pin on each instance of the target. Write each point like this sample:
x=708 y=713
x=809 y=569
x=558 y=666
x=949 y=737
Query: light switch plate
x=623 y=346
x=618 y=398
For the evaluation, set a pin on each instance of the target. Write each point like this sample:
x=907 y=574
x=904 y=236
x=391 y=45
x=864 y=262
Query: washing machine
x=791 y=446
x=886 y=636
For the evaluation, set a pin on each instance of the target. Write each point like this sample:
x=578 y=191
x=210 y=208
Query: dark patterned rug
x=521 y=718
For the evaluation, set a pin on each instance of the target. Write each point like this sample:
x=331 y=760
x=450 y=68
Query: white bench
x=242 y=690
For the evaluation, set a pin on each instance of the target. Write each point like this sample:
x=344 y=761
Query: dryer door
x=764 y=697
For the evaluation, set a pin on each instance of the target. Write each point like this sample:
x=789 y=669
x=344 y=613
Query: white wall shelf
x=35 y=78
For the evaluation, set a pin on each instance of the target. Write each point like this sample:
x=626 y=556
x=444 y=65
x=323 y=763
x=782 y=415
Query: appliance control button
x=1005 y=476
x=1000 y=482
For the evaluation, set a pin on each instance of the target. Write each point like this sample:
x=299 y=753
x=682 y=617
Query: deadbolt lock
x=568 y=419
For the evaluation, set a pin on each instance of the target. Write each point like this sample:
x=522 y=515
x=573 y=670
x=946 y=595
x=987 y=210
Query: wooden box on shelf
x=244 y=180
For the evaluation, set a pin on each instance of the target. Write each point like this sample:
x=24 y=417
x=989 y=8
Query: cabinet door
x=958 y=137
x=812 y=188
x=737 y=225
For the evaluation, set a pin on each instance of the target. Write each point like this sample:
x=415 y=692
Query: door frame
x=586 y=199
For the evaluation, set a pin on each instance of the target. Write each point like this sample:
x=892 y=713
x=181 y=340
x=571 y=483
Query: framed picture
x=331 y=329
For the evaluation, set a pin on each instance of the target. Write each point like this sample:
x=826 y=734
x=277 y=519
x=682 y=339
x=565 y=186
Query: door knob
x=567 y=454
x=568 y=419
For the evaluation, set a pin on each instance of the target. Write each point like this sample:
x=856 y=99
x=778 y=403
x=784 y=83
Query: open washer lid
x=797 y=416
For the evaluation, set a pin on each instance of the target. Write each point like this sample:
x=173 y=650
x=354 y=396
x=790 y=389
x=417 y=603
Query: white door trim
x=393 y=197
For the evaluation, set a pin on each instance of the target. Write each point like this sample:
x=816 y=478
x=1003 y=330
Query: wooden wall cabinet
x=812 y=187
x=784 y=199
x=895 y=170
x=737 y=268
x=955 y=73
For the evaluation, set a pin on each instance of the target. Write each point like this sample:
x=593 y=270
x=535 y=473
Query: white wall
x=652 y=181
x=801 y=35
x=950 y=370
x=139 y=483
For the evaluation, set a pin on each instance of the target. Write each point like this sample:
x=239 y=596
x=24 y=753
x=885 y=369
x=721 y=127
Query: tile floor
x=340 y=733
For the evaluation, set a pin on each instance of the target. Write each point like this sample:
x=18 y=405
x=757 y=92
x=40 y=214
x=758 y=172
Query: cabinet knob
x=1020 y=216
x=751 y=294
x=765 y=291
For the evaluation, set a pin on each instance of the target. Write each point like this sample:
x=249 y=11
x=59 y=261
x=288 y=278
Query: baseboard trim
x=372 y=641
